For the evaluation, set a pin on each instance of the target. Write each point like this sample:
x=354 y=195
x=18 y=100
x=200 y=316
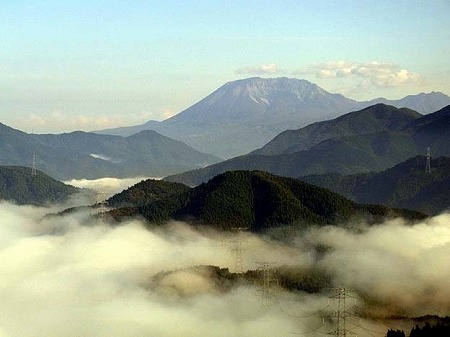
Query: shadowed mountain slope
x=89 y=155
x=405 y=185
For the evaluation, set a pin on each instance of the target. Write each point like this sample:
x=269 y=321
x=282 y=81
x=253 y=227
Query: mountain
x=376 y=118
x=423 y=103
x=243 y=115
x=258 y=201
x=90 y=155
x=405 y=185
x=433 y=131
x=394 y=135
x=17 y=184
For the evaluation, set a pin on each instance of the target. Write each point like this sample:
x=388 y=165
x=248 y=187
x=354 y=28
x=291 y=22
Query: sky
x=90 y=65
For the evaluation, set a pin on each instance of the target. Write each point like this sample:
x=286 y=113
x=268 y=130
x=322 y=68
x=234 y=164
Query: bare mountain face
x=243 y=115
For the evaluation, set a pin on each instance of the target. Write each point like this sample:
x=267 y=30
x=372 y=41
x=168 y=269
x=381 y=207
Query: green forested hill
x=18 y=185
x=145 y=192
x=258 y=200
x=405 y=185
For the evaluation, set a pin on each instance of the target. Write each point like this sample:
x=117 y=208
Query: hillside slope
x=144 y=192
x=18 y=185
x=405 y=185
x=258 y=201
x=373 y=119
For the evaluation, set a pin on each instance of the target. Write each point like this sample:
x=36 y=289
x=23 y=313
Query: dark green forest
x=145 y=192
x=406 y=185
x=17 y=184
x=258 y=201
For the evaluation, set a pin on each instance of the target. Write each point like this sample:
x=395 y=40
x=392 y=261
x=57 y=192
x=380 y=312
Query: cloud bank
x=109 y=186
x=65 y=277
x=370 y=74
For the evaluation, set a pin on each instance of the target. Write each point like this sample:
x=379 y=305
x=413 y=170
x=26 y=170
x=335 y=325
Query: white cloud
x=68 y=276
x=265 y=69
x=377 y=74
x=109 y=186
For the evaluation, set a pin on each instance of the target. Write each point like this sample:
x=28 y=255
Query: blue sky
x=68 y=65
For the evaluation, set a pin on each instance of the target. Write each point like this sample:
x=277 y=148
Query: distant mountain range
x=18 y=185
x=372 y=139
x=90 y=155
x=405 y=185
x=243 y=115
x=258 y=201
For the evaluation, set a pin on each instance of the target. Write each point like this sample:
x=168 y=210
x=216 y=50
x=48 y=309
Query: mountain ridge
x=406 y=185
x=345 y=154
x=243 y=115
x=90 y=155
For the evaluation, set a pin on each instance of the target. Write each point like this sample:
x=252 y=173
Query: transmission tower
x=239 y=262
x=33 y=167
x=101 y=204
x=237 y=247
x=428 y=167
x=340 y=295
x=266 y=271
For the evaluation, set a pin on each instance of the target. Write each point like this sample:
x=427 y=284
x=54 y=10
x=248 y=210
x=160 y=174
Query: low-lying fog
x=60 y=277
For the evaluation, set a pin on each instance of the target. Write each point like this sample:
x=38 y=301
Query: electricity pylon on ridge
x=33 y=167
x=428 y=167
x=101 y=204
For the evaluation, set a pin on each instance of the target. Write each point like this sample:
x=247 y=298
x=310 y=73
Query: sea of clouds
x=78 y=276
